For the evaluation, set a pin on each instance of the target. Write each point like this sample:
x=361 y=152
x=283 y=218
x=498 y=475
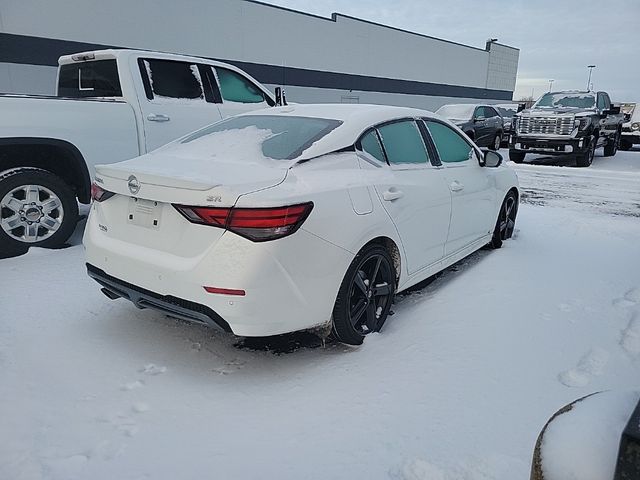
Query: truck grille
x=546 y=125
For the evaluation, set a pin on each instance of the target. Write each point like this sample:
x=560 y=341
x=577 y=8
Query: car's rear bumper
x=177 y=307
x=549 y=146
x=289 y=284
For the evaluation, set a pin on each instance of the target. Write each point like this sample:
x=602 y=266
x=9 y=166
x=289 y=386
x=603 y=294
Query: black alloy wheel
x=365 y=296
x=506 y=220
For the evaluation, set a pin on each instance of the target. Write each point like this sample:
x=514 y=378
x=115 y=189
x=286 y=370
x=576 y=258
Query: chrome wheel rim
x=508 y=218
x=497 y=142
x=31 y=213
x=370 y=294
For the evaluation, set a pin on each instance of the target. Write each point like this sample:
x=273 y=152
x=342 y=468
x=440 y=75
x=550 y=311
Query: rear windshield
x=279 y=137
x=456 y=112
x=89 y=79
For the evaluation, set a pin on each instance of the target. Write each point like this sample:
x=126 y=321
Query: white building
x=316 y=59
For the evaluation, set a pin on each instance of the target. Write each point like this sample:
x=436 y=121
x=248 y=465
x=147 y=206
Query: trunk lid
x=166 y=176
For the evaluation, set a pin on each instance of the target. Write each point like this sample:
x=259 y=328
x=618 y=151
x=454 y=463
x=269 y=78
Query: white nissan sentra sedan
x=295 y=218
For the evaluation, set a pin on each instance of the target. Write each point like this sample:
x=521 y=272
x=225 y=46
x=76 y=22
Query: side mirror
x=278 y=93
x=280 y=97
x=612 y=110
x=492 y=159
x=479 y=119
x=521 y=107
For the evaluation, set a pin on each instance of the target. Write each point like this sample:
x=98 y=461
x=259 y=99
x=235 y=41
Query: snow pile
x=582 y=444
x=457 y=386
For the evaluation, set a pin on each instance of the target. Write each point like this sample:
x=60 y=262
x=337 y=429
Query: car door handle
x=456 y=186
x=392 y=194
x=158 y=117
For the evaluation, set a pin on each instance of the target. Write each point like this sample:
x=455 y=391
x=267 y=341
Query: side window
x=490 y=112
x=451 y=146
x=601 y=101
x=171 y=79
x=371 y=145
x=235 y=88
x=607 y=101
x=479 y=112
x=403 y=143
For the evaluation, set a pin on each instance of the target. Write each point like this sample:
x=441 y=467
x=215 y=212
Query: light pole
x=550 y=83
x=590 y=67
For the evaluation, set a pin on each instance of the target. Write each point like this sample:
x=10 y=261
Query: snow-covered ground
x=457 y=386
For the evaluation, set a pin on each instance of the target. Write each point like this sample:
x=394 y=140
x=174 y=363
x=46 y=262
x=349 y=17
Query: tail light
x=256 y=224
x=99 y=194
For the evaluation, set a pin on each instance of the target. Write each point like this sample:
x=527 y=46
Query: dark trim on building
x=22 y=49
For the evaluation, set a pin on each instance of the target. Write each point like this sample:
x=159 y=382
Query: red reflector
x=225 y=291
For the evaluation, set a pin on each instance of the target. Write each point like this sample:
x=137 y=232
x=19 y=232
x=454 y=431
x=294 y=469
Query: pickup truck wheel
x=36 y=209
x=586 y=159
x=516 y=157
x=496 y=142
x=611 y=148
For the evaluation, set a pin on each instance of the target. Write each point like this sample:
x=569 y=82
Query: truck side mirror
x=521 y=107
x=281 y=99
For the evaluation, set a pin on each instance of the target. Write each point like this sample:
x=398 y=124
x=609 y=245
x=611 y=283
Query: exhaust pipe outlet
x=109 y=294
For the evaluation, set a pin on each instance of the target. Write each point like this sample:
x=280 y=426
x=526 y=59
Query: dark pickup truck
x=567 y=123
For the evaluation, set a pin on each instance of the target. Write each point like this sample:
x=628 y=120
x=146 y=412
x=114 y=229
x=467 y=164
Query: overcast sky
x=557 y=38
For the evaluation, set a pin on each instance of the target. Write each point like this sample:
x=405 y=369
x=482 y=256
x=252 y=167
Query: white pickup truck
x=111 y=105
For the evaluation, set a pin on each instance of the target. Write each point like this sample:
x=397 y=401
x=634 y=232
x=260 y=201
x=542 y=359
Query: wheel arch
x=394 y=251
x=53 y=155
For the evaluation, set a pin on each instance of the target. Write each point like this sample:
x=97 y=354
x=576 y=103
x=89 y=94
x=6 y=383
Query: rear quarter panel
x=339 y=189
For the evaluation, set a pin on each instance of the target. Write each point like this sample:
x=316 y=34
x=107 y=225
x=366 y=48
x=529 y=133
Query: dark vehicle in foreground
x=508 y=112
x=568 y=123
x=631 y=126
x=481 y=123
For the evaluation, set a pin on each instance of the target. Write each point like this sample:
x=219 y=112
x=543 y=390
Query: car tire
x=625 y=144
x=365 y=295
x=611 y=148
x=506 y=220
x=37 y=209
x=497 y=140
x=586 y=158
x=516 y=157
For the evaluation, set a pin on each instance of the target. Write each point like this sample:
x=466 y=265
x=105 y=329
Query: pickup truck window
x=89 y=79
x=235 y=88
x=603 y=101
x=171 y=79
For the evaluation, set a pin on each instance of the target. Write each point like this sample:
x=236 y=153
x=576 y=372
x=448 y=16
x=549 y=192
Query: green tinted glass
x=371 y=145
x=235 y=88
x=450 y=145
x=403 y=143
